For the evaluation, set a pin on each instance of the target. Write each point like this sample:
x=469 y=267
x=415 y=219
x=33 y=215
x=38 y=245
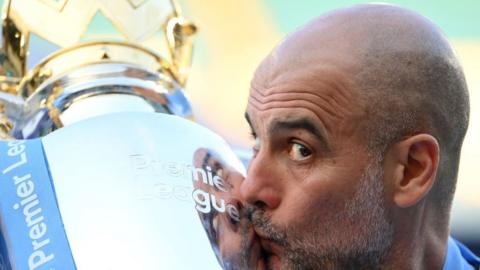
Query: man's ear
x=412 y=168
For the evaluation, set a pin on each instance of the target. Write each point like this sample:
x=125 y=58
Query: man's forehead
x=325 y=90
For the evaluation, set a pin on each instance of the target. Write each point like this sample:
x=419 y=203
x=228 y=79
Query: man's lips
x=257 y=258
x=270 y=254
x=268 y=246
x=269 y=250
x=266 y=241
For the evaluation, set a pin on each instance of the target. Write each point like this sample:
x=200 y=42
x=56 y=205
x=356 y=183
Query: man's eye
x=298 y=151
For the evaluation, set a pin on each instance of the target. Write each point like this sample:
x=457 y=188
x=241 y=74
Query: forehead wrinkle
x=331 y=85
x=289 y=105
x=335 y=102
x=297 y=96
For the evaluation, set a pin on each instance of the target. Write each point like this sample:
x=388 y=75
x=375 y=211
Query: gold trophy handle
x=5 y=124
x=179 y=35
x=46 y=90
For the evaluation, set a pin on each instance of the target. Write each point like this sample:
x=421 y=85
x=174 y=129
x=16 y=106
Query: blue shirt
x=459 y=257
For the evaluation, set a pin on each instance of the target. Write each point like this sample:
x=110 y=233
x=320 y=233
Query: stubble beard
x=359 y=237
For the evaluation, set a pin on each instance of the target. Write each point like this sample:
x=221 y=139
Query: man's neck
x=418 y=243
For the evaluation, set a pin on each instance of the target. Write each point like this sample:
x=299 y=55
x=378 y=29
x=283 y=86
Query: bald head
x=399 y=68
x=354 y=33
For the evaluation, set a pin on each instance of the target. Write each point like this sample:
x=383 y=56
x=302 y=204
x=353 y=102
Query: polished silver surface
x=98 y=89
x=147 y=191
x=51 y=59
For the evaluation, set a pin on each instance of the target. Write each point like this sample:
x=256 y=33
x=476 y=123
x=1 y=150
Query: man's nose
x=261 y=186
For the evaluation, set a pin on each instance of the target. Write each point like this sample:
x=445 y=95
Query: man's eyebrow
x=248 y=120
x=302 y=124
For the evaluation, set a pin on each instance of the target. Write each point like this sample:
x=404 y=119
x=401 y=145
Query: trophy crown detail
x=130 y=64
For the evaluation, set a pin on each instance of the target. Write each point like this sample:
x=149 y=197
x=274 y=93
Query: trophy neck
x=104 y=104
x=95 y=90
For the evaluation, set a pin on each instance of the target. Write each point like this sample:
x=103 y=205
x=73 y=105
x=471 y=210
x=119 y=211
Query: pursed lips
x=269 y=251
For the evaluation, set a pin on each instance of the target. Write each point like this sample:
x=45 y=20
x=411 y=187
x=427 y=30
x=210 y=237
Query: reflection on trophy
x=99 y=166
x=80 y=79
x=229 y=231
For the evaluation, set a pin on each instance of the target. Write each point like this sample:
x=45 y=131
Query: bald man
x=358 y=119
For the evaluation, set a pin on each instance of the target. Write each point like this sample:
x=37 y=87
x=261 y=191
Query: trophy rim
x=43 y=108
x=49 y=68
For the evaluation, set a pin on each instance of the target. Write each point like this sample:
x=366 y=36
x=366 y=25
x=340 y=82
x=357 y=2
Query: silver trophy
x=81 y=78
x=102 y=166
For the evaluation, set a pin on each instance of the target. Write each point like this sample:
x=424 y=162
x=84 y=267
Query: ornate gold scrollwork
x=64 y=22
x=26 y=91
